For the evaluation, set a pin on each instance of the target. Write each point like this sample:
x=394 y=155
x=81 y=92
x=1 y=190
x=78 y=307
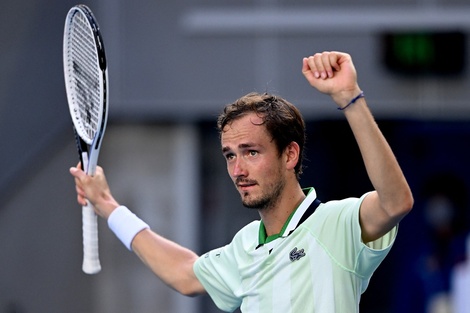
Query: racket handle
x=91 y=261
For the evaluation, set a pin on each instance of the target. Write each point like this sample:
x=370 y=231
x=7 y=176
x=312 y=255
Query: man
x=296 y=259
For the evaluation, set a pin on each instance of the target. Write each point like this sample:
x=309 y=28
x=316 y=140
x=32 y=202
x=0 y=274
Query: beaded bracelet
x=361 y=95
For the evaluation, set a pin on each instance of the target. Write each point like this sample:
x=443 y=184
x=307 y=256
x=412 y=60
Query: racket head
x=86 y=75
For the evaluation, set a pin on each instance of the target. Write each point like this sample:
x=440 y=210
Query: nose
x=238 y=168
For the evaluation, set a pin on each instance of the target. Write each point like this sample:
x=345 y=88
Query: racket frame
x=88 y=150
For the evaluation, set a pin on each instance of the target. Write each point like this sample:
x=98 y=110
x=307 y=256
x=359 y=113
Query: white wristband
x=125 y=225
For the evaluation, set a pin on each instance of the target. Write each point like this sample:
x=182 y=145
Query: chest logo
x=295 y=254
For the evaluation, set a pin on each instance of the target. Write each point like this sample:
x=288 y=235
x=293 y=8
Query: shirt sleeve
x=219 y=270
x=339 y=230
x=218 y=274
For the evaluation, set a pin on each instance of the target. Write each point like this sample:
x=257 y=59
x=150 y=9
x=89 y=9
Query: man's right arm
x=172 y=263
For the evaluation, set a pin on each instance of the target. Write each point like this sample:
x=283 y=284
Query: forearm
x=382 y=167
x=172 y=263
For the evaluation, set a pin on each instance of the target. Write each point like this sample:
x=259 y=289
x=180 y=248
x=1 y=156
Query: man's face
x=253 y=162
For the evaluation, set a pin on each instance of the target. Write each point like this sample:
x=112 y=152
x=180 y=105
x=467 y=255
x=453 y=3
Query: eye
x=229 y=156
x=253 y=153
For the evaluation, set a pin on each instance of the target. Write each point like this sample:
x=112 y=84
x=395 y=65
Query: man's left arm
x=382 y=209
x=333 y=73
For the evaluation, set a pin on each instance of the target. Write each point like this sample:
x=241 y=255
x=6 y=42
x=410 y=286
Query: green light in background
x=430 y=53
x=414 y=49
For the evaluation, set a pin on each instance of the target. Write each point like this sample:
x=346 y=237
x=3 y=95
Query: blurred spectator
x=427 y=284
x=461 y=284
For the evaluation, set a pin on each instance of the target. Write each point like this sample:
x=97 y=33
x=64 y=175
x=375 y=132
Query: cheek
x=264 y=170
x=274 y=171
x=229 y=170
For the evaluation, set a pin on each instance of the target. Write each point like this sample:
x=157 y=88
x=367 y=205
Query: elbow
x=408 y=203
x=190 y=294
x=405 y=205
x=398 y=206
x=188 y=284
x=190 y=289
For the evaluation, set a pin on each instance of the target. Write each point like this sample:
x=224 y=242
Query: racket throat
x=85 y=162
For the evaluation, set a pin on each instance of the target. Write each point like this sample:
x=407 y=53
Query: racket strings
x=84 y=72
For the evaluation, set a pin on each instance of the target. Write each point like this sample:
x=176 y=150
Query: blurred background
x=173 y=65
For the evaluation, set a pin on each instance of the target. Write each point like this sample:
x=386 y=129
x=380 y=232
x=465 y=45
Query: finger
x=81 y=200
x=312 y=65
x=327 y=71
x=77 y=172
x=334 y=62
x=305 y=67
x=307 y=71
x=319 y=68
x=99 y=170
x=80 y=191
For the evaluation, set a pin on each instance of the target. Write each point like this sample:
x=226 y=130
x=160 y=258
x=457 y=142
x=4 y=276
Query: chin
x=257 y=204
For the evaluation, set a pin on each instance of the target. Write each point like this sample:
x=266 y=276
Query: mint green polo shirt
x=319 y=266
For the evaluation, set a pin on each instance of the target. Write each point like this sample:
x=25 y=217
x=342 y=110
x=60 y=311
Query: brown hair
x=282 y=120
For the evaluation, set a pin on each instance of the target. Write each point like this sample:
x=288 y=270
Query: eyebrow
x=241 y=146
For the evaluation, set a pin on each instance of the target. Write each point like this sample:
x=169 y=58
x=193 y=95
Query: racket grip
x=91 y=261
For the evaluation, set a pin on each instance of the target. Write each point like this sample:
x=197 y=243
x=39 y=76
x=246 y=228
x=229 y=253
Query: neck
x=275 y=217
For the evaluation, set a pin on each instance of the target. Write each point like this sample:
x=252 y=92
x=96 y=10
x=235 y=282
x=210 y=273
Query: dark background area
x=433 y=156
x=172 y=66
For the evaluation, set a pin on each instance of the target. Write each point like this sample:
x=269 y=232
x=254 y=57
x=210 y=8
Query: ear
x=292 y=153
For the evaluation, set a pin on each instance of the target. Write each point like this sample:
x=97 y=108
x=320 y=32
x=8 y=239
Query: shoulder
x=248 y=235
x=340 y=207
x=227 y=256
x=336 y=215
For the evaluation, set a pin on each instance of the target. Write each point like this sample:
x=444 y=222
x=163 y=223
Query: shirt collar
x=293 y=220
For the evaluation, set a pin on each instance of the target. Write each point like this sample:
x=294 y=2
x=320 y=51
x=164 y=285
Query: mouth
x=245 y=186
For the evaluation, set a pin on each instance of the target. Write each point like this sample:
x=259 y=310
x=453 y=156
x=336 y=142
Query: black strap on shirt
x=309 y=211
x=306 y=215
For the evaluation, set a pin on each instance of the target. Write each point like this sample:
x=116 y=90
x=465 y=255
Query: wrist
x=125 y=225
x=353 y=100
x=344 y=97
x=106 y=208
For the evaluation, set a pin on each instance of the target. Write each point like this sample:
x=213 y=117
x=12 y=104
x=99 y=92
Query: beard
x=267 y=199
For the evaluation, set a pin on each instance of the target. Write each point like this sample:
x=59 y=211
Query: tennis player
x=302 y=256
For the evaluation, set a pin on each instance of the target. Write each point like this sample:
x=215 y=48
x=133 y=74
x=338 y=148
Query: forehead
x=248 y=128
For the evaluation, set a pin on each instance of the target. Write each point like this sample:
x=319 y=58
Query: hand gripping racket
x=86 y=83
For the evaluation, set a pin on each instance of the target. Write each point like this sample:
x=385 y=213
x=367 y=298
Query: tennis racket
x=86 y=83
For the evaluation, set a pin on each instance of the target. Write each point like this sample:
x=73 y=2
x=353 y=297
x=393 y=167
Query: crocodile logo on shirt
x=295 y=254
